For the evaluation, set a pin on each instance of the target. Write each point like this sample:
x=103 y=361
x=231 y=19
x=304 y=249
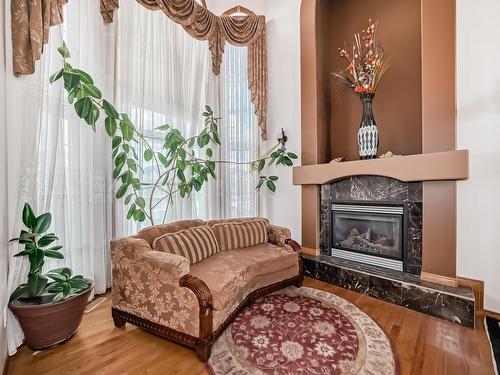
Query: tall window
x=164 y=76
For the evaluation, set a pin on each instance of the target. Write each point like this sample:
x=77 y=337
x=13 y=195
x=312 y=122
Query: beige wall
x=3 y=197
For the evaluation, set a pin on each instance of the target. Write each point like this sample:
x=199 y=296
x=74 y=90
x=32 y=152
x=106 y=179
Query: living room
x=249 y=187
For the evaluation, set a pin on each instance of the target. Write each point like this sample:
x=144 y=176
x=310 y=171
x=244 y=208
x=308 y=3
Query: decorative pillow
x=195 y=244
x=234 y=235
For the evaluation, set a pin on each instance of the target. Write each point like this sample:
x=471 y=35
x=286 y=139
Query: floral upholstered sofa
x=187 y=280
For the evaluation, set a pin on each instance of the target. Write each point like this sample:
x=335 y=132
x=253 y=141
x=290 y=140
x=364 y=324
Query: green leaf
x=56 y=277
x=122 y=190
x=92 y=90
x=58 y=297
x=117 y=170
x=163 y=127
x=273 y=178
x=110 y=110
x=29 y=218
x=18 y=293
x=57 y=75
x=83 y=107
x=64 y=51
x=47 y=240
x=128 y=199
x=271 y=185
x=65 y=271
x=116 y=141
x=291 y=155
x=140 y=202
x=53 y=254
x=36 y=260
x=36 y=284
x=84 y=76
x=163 y=159
x=131 y=211
x=78 y=283
x=127 y=130
x=210 y=152
x=148 y=154
x=93 y=116
x=261 y=165
x=110 y=125
x=23 y=253
x=180 y=175
x=70 y=79
x=59 y=247
x=42 y=223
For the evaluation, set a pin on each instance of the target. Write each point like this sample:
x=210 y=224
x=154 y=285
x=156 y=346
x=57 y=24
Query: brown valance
x=30 y=22
x=200 y=23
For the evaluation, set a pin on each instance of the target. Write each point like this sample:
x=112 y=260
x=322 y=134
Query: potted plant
x=49 y=306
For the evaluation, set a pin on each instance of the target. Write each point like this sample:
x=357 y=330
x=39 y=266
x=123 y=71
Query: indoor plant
x=49 y=306
x=182 y=165
x=367 y=64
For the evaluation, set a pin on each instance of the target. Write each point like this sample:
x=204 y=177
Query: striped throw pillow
x=243 y=234
x=195 y=244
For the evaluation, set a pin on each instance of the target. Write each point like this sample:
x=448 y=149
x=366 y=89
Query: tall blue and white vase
x=368 y=137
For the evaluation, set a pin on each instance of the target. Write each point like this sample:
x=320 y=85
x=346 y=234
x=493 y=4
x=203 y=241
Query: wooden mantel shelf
x=437 y=166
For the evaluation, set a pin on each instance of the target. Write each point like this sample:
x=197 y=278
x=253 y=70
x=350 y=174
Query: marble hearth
x=404 y=288
x=454 y=304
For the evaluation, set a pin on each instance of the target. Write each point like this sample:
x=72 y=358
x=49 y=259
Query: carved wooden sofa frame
x=203 y=344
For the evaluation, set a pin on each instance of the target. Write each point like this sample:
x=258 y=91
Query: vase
x=368 y=137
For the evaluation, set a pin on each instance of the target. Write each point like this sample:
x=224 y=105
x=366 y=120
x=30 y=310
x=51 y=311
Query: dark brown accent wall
x=326 y=132
x=398 y=102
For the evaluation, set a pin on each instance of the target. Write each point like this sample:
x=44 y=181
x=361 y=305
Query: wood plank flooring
x=424 y=345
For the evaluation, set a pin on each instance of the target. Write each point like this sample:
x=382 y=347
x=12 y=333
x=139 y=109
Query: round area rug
x=303 y=331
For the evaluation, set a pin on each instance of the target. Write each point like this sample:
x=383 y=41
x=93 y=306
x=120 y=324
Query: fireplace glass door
x=372 y=230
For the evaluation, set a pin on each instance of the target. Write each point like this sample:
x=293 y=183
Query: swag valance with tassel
x=32 y=18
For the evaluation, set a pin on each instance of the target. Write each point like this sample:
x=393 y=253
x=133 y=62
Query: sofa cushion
x=228 y=272
x=155 y=231
x=225 y=274
x=235 y=235
x=195 y=244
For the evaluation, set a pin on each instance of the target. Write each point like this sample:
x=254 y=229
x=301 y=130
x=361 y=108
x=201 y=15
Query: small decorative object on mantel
x=367 y=65
x=340 y=159
x=388 y=154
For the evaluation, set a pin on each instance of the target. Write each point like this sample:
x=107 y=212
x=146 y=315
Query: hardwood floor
x=424 y=345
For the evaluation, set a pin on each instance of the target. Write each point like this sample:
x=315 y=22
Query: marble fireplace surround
x=377 y=189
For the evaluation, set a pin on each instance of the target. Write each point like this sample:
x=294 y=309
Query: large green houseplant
x=183 y=165
x=50 y=305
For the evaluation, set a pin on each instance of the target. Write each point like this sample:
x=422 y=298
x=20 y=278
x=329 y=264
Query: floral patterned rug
x=303 y=331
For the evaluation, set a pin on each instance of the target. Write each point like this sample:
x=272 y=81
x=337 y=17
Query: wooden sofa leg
x=203 y=351
x=117 y=319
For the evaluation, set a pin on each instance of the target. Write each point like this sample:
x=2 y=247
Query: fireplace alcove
x=415 y=111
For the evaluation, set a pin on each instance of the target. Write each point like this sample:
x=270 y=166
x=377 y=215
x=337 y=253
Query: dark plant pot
x=49 y=324
x=368 y=136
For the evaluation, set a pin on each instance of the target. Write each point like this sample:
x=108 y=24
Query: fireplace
x=371 y=233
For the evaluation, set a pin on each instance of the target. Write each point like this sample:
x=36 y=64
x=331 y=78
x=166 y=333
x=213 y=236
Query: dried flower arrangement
x=367 y=62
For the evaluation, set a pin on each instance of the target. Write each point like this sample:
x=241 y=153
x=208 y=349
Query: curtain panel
x=31 y=20
x=241 y=31
x=30 y=24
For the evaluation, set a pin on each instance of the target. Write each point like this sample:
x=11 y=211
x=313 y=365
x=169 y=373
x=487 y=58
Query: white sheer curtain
x=163 y=76
x=56 y=163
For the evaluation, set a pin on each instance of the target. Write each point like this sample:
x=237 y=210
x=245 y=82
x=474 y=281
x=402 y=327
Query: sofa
x=186 y=281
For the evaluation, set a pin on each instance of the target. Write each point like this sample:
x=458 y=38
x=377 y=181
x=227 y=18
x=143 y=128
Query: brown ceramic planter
x=49 y=324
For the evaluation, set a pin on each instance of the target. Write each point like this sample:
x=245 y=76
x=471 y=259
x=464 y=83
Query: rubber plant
x=183 y=165
x=38 y=245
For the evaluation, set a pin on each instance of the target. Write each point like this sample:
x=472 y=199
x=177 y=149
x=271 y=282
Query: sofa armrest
x=278 y=235
x=294 y=245
x=146 y=284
